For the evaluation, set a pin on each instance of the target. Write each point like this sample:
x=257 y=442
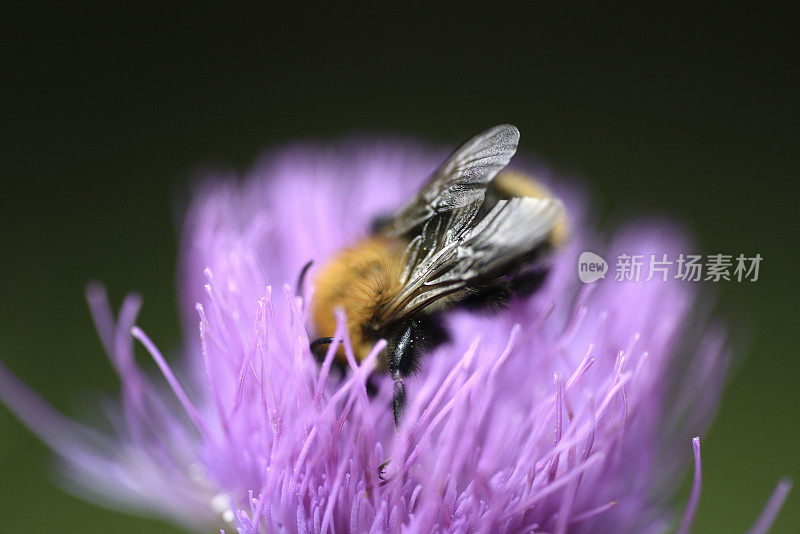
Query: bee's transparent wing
x=448 y=257
x=460 y=181
x=512 y=229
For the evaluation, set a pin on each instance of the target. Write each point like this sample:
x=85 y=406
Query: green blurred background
x=107 y=111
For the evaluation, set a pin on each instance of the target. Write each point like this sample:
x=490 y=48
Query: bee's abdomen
x=360 y=280
x=510 y=184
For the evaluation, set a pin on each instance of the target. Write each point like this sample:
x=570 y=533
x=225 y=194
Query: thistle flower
x=572 y=411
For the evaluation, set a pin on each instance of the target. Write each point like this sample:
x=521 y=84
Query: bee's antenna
x=320 y=341
x=298 y=289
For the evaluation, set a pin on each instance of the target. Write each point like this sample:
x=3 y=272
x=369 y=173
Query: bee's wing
x=460 y=181
x=449 y=256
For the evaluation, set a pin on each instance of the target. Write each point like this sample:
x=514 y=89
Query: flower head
x=571 y=411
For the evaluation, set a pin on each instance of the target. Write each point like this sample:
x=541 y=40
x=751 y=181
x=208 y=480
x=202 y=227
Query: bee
x=472 y=236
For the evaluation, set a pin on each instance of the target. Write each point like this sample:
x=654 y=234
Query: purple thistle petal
x=173 y=382
x=694 y=496
x=771 y=509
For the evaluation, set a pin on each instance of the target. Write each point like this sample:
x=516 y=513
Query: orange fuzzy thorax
x=360 y=280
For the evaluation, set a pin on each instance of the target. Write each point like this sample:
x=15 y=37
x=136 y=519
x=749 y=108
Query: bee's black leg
x=317 y=351
x=398 y=403
x=398 y=399
x=404 y=353
x=319 y=342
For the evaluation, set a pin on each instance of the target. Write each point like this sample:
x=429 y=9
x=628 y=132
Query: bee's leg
x=398 y=368
x=319 y=342
x=318 y=350
x=398 y=398
x=398 y=403
x=405 y=351
x=400 y=351
x=403 y=357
